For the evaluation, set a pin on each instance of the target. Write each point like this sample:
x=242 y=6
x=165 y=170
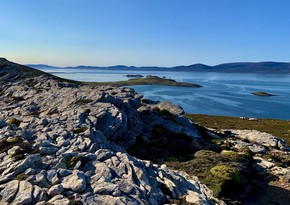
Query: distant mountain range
x=241 y=67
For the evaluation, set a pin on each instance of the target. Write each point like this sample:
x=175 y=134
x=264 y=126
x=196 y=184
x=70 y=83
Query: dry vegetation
x=278 y=128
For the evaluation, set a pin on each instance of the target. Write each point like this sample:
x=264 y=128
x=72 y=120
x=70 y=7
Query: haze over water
x=224 y=94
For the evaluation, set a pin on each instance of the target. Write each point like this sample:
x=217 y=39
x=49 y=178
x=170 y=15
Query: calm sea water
x=222 y=93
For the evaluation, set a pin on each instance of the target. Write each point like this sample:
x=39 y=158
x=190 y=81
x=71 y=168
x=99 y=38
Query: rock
x=43 y=122
x=194 y=198
x=103 y=154
x=262 y=166
x=257 y=149
x=282 y=172
x=24 y=195
x=39 y=194
x=173 y=109
x=75 y=182
x=64 y=172
x=52 y=177
x=55 y=190
x=261 y=138
x=48 y=150
x=9 y=191
x=32 y=161
x=106 y=188
x=59 y=200
x=30 y=171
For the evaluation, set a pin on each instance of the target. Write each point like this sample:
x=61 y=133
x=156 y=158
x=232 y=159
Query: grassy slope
x=278 y=128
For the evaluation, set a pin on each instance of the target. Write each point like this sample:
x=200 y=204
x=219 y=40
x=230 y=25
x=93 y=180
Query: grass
x=278 y=128
x=226 y=172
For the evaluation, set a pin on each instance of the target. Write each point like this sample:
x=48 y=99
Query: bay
x=227 y=94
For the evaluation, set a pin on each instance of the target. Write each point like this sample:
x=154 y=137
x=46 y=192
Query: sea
x=224 y=94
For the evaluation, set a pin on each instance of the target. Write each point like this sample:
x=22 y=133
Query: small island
x=262 y=94
x=148 y=80
x=134 y=76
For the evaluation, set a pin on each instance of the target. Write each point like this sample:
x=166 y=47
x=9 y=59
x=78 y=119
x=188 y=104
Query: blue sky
x=144 y=32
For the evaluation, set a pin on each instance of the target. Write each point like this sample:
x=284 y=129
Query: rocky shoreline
x=62 y=142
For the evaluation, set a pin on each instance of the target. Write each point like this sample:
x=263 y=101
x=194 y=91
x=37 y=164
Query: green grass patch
x=226 y=172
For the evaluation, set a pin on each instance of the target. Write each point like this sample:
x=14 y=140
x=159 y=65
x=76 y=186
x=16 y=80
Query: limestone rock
x=9 y=191
x=24 y=195
x=173 y=109
x=75 y=182
x=55 y=190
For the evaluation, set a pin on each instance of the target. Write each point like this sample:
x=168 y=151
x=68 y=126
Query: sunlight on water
x=221 y=94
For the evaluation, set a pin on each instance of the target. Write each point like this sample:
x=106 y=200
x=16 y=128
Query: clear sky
x=144 y=32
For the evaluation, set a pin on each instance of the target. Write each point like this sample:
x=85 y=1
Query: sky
x=144 y=32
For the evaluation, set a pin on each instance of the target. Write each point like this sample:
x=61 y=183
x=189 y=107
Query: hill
x=242 y=67
x=12 y=71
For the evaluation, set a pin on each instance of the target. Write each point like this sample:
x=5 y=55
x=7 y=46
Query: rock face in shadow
x=64 y=143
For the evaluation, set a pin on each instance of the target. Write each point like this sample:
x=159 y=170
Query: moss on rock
x=21 y=177
x=227 y=173
x=78 y=130
x=71 y=162
x=13 y=121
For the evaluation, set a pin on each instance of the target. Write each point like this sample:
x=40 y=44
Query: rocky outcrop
x=64 y=143
x=261 y=139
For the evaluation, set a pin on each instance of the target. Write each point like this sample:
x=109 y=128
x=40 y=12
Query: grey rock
x=30 y=171
x=107 y=188
x=40 y=179
x=48 y=150
x=24 y=195
x=64 y=172
x=39 y=194
x=261 y=138
x=257 y=149
x=55 y=190
x=9 y=191
x=43 y=122
x=103 y=154
x=75 y=182
x=52 y=177
x=59 y=200
x=173 y=109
